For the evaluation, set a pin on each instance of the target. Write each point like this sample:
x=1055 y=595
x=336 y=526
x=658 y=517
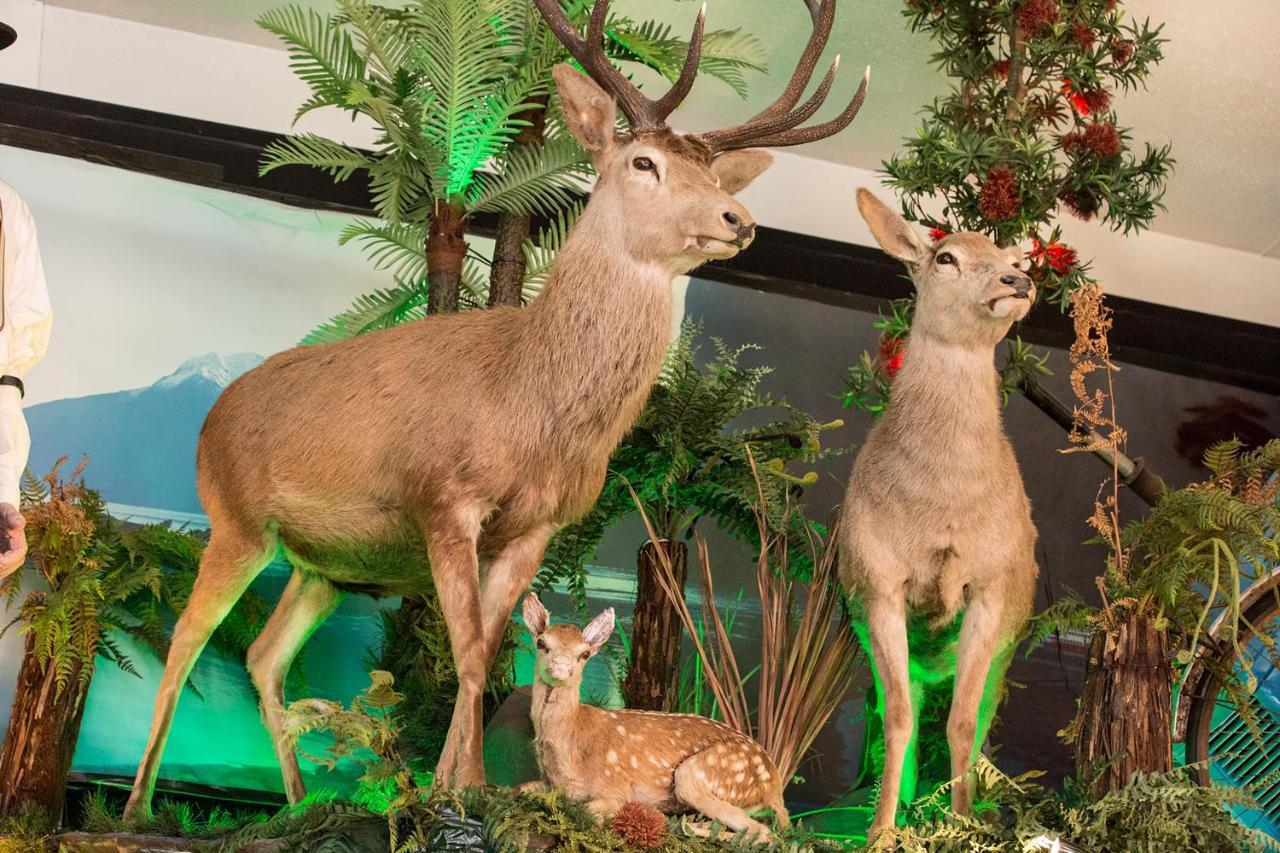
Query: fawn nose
x=1021 y=284
x=745 y=230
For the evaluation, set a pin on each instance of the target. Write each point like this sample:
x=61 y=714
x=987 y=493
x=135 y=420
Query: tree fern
x=534 y=179
x=395 y=247
x=336 y=160
x=320 y=53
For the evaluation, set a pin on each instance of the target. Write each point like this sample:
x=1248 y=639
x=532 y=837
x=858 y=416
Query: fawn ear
x=588 y=110
x=598 y=630
x=536 y=616
x=891 y=231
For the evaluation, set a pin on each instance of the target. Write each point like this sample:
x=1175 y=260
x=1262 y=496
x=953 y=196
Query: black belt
x=15 y=382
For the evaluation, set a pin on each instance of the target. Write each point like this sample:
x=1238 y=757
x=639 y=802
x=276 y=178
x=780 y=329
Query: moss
x=27 y=831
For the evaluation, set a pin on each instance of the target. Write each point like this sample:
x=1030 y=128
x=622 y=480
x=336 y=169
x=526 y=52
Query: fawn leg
x=451 y=547
x=307 y=601
x=887 y=626
x=979 y=637
x=703 y=787
x=231 y=560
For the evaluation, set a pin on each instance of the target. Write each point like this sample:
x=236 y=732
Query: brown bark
x=652 y=679
x=1125 y=722
x=506 y=277
x=446 y=249
x=41 y=739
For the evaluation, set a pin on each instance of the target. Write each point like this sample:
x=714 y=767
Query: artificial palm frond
x=534 y=179
x=398 y=248
x=380 y=309
x=320 y=53
x=307 y=149
x=726 y=54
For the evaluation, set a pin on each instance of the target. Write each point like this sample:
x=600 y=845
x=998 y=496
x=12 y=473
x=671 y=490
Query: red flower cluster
x=1099 y=137
x=1036 y=16
x=936 y=234
x=1061 y=259
x=889 y=355
x=1086 y=103
x=1001 y=69
x=999 y=199
x=1085 y=36
x=1083 y=204
x=639 y=825
x=1121 y=51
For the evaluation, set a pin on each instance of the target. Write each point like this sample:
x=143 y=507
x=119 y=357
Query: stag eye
x=644 y=164
x=946 y=258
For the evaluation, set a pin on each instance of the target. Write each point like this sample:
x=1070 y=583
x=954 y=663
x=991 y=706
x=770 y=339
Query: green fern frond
x=320 y=53
x=534 y=179
x=398 y=248
x=377 y=310
x=307 y=149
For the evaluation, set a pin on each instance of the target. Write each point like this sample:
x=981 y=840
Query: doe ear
x=536 y=616
x=598 y=630
x=588 y=110
x=737 y=169
x=894 y=234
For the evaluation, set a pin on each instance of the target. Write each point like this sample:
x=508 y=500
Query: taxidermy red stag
x=669 y=762
x=468 y=439
x=936 y=517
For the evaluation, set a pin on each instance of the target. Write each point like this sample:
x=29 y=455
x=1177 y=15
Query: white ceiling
x=1216 y=97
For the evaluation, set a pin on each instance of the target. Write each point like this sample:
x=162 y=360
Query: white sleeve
x=15 y=444
x=28 y=316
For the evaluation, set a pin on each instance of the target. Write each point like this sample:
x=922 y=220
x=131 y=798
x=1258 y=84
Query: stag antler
x=644 y=115
x=777 y=125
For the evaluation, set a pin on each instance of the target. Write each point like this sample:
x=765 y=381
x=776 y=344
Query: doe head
x=563 y=650
x=969 y=290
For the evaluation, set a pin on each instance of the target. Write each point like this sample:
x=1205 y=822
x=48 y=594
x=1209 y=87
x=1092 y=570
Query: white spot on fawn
x=611 y=757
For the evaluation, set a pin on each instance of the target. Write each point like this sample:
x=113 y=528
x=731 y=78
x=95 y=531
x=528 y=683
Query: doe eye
x=644 y=164
x=946 y=258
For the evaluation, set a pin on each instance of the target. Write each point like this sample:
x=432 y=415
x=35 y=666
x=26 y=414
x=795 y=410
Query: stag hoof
x=881 y=837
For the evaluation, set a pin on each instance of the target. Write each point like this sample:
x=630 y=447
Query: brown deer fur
x=936 y=518
x=669 y=762
x=464 y=438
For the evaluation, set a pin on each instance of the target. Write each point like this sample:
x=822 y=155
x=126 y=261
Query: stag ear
x=737 y=169
x=891 y=231
x=536 y=616
x=598 y=630
x=588 y=110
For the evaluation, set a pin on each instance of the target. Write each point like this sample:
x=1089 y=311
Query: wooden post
x=653 y=677
x=41 y=739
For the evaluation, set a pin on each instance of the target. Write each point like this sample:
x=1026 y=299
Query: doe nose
x=743 y=231
x=1021 y=284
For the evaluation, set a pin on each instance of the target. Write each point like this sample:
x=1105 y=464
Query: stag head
x=690 y=179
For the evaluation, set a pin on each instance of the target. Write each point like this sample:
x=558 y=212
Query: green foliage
x=686 y=457
x=1159 y=811
x=105 y=580
x=27 y=831
x=1025 y=131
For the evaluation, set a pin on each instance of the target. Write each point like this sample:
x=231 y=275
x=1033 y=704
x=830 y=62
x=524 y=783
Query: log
x=653 y=676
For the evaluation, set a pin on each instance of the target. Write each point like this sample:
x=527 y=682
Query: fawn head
x=672 y=194
x=969 y=290
x=563 y=650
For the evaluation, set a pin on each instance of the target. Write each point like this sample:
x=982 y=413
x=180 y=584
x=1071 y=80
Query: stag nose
x=1021 y=284
x=744 y=230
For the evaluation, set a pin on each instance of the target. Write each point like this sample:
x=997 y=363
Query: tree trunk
x=41 y=739
x=506 y=277
x=446 y=250
x=653 y=677
x=1125 y=722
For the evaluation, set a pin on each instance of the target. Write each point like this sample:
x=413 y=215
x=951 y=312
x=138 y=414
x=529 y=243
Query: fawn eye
x=584 y=655
x=946 y=258
x=542 y=647
x=644 y=164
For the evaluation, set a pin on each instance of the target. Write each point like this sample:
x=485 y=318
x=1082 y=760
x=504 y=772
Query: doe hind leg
x=976 y=675
x=704 y=787
x=229 y=564
x=307 y=601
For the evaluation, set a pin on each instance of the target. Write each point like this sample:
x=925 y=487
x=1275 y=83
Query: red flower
x=1059 y=257
x=936 y=234
x=999 y=200
x=889 y=354
x=1080 y=202
x=1098 y=100
x=1035 y=16
x=1121 y=51
x=1086 y=102
x=1001 y=69
x=1084 y=36
x=1099 y=137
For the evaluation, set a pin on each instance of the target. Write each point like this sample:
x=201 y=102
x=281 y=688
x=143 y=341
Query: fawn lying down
x=670 y=762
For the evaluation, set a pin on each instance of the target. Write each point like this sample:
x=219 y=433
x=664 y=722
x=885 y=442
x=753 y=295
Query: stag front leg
x=451 y=548
x=979 y=638
x=887 y=625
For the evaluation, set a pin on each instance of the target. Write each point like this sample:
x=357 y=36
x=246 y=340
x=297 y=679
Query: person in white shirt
x=25 y=320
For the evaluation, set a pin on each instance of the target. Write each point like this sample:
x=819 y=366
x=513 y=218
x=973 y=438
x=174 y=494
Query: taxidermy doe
x=464 y=441
x=669 y=762
x=936 y=518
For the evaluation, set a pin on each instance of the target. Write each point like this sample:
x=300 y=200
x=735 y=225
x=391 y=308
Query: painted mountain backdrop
x=141 y=444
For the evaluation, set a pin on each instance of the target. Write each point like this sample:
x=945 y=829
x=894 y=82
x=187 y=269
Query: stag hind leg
x=976 y=676
x=887 y=626
x=232 y=559
x=307 y=601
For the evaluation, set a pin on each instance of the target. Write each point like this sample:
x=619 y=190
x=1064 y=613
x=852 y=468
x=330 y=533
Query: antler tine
x=823 y=17
x=801 y=135
x=723 y=140
x=668 y=102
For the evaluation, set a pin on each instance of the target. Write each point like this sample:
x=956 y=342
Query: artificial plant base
x=652 y=677
x=43 y=729
x=1125 y=721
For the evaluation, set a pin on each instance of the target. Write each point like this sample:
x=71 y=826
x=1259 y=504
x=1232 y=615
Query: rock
x=509 y=759
x=122 y=842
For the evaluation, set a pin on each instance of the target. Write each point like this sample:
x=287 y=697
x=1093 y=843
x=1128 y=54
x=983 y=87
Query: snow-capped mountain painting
x=141 y=443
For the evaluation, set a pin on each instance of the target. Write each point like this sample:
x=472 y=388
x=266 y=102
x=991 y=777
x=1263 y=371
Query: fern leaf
x=534 y=179
x=400 y=248
x=307 y=149
x=377 y=310
x=320 y=52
